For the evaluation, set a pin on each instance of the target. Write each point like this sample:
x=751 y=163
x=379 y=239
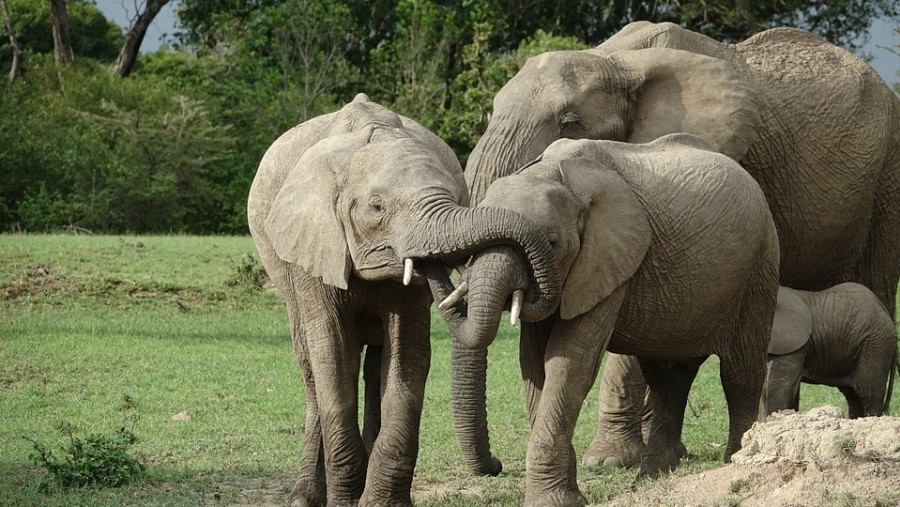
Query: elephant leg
x=783 y=381
x=570 y=364
x=532 y=348
x=743 y=378
x=372 y=407
x=879 y=265
x=669 y=384
x=310 y=488
x=854 y=403
x=625 y=406
x=405 y=364
x=334 y=357
x=469 y=378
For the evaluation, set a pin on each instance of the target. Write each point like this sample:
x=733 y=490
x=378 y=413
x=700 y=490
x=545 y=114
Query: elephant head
x=629 y=95
x=366 y=191
x=597 y=227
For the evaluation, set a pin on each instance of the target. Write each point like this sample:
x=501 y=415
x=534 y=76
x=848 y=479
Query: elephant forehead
x=403 y=163
x=543 y=201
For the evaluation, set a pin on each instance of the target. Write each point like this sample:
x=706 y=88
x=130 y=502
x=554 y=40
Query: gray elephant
x=813 y=124
x=667 y=250
x=343 y=209
x=841 y=337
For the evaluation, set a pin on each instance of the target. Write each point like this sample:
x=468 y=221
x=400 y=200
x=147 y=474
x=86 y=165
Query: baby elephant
x=841 y=337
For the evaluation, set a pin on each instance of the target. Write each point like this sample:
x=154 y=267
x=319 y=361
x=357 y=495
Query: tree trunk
x=135 y=36
x=62 y=44
x=17 y=51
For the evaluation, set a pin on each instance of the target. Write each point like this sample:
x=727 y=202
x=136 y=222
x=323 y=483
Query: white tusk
x=516 y=308
x=454 y=296
x=407 y=270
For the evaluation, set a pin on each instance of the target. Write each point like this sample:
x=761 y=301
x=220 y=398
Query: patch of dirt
x=812 y=459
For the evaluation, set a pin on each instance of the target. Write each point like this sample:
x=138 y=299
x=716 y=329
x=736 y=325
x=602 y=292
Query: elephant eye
x=554 y=240
x=569 y=122
x=376 y=205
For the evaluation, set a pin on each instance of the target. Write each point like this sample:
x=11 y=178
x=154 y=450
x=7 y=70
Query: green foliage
x=107 y=154
x=92 y=35
x=248 y=273
x=176 y=145
x=92 y=461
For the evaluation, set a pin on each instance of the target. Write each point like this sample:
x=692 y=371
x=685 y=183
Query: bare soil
x=812 y=459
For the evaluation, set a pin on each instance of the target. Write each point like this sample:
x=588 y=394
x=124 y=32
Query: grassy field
x=100 y=332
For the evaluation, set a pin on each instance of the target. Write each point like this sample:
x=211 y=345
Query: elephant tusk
x=407 y=270
x=518 y=297
x=454 y=296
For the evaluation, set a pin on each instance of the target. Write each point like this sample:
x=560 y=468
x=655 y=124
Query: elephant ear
x=691 y=93
x=302 y=223
x=615 y=237
x=792 y=326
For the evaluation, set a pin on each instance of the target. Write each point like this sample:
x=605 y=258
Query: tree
x=91 y=34
x=17 y=51
x=135 y=36
x=62 y=44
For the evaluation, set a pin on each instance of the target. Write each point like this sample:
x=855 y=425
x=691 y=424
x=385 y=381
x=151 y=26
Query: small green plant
x=737 y=485
x=97 y=460
x=847 y=445
x=248 y=273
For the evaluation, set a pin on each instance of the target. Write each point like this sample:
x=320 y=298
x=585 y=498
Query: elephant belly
x=671 y=329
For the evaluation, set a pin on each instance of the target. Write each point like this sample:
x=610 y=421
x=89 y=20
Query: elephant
x=666 y=250
x=345 y=210
x=841 y=337
x=813 y=124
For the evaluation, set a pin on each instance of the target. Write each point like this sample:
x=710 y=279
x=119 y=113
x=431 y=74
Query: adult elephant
x=813 y=124
x=341 y=208
x=667 y=250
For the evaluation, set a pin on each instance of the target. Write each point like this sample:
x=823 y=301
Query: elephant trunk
x=454 y=233
x=506 y=146
x=469 y=410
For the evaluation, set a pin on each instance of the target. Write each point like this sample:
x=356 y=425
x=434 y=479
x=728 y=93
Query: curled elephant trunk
x=493 y=276
x=454 y=233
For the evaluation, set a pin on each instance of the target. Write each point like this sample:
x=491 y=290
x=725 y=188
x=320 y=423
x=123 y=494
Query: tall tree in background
x=62 y=43
x=16 y=50
x=135 y=36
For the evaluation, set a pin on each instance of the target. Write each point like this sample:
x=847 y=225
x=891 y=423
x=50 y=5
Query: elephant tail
x=895 y=369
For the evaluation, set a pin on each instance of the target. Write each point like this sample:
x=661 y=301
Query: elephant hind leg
x=879 y=266
x=669 y=384
x=854 y=403
x=624 y=403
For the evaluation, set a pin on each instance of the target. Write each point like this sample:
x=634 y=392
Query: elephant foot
x=614 y=452
x=369 y=500
x=567 y=498
x=657 y=462
x=491 y=467
x=303 y=494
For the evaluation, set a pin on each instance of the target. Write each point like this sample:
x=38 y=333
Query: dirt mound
x=813 y=459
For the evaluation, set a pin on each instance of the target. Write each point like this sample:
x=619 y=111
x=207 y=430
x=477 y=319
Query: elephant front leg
x=335 y=362
x=405 y=365
x=625 y=405
x=571 y=361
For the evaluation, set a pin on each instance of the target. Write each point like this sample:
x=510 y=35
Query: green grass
x=95 y=331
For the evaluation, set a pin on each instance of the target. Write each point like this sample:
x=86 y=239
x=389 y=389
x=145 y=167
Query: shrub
x=97 y=460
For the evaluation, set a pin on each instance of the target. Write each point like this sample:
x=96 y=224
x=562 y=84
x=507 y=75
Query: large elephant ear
x=302 y=223
x=691 y=93
x=615 y=237
x=792 y=326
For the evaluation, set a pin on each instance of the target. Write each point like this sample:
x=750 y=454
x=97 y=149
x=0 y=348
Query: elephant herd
x=662 y=196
